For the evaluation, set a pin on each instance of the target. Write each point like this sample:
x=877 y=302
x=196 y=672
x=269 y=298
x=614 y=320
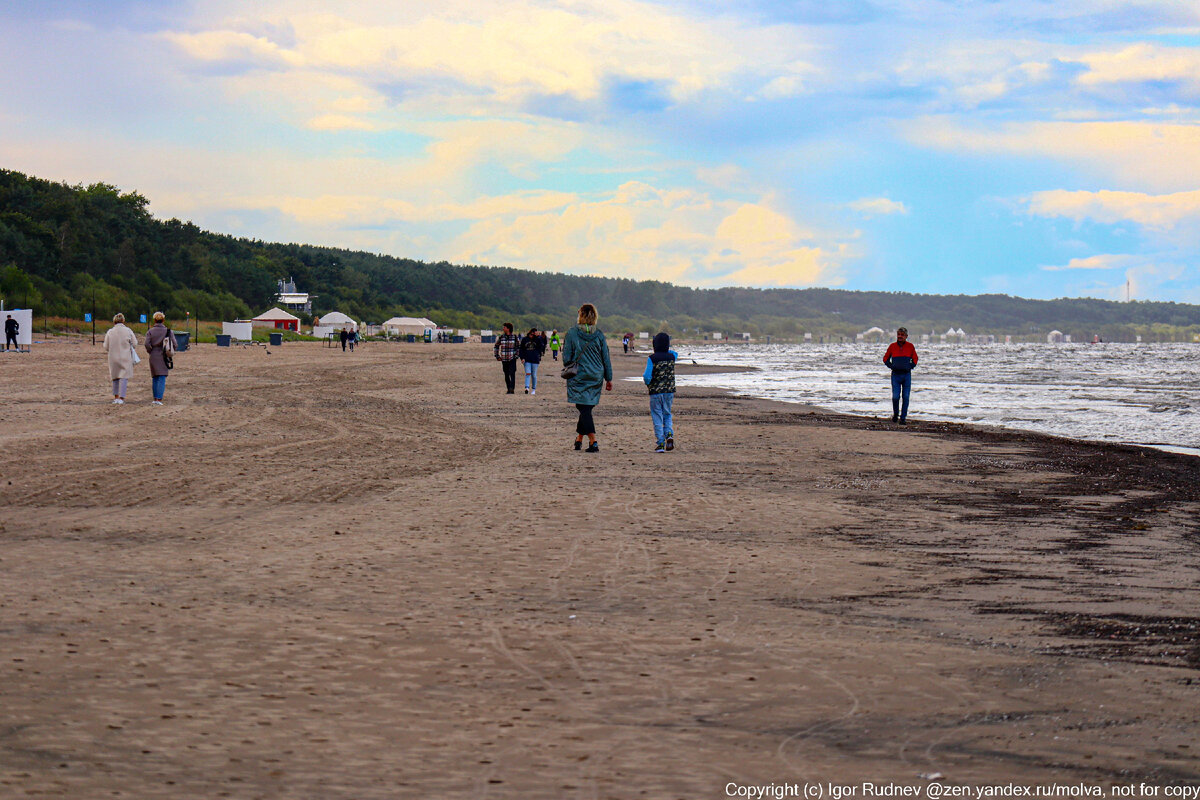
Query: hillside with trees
x=62 y=245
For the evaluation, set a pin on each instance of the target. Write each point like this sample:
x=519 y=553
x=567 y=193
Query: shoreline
x=374 y=574
x=713 y=369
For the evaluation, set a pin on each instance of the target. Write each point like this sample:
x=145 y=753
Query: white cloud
x=339 y=122
x=641 y=231
x=1156 y=212
x=1141 y=63
x=875 y=206
x=1095 y=262
x=499 y=54
x=235 y=47
x=1157 y=156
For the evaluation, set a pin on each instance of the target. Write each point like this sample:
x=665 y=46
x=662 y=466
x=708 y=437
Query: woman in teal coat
x=585 y=344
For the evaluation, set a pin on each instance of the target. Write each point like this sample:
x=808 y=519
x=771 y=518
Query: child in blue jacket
x=660 y=378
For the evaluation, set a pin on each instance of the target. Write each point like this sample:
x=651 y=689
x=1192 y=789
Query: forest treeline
x=63 y=247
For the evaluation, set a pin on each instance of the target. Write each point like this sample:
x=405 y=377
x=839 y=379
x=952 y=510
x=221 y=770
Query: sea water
x=1145 y=394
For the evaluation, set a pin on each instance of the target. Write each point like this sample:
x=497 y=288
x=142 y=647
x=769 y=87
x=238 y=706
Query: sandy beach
x=374 y=575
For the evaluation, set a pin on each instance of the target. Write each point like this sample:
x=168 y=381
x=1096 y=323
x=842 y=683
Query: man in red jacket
x=900 y=358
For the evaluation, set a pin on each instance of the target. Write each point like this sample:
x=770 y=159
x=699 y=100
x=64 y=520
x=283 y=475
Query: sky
x=1039 y=148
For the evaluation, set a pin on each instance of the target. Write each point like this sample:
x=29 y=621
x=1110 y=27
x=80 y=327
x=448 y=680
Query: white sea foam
x=1146 y=394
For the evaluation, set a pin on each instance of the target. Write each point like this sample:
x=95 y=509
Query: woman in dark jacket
x=531 y=350
x=585 y=344
x=155 y=347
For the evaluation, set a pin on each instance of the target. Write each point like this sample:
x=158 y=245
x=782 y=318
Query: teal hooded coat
x=591 y=351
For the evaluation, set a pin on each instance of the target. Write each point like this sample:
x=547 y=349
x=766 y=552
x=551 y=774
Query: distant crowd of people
x=587 y=367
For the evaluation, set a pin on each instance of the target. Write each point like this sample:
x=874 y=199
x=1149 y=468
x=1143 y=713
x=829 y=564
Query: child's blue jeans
x=660 y=415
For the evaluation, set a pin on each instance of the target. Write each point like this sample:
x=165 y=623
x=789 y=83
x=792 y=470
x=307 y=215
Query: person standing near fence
x=156 y=349
x=120 y=343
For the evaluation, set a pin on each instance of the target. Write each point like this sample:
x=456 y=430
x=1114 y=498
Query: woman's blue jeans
x=530 y=375
x=158 y=384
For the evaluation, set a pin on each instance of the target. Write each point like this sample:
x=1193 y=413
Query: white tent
x=400 y=326
x=336 y=319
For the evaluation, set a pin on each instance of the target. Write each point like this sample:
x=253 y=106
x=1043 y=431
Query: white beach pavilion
x=402 y=326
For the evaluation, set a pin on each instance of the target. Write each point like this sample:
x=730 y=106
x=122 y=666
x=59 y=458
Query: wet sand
x=375 y=575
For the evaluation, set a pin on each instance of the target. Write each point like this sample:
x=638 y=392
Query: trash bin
x=412 y=338
x=456 y=340
x=181 y=341
x=276 y=339
x=223 y=339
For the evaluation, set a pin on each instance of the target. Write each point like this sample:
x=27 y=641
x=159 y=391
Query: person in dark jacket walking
x=533 y=346
x=506 y=350
x=343 y=336
x=156 y=339
x=659 y=378
x=586 y=346
x=900 y=358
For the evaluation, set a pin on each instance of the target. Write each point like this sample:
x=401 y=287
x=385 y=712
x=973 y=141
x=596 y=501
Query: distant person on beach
x=900 y=358
x=156 y=347
x=659 y=378
x=555 y=344
x=119 y=343
x=352 y=339
x=11 y=326
x=586 y=346
x=506 y=350
x=343 y=335
x=533 y=346
x=625 y=344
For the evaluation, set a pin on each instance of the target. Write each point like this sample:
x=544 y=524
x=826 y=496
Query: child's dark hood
x=662 y=342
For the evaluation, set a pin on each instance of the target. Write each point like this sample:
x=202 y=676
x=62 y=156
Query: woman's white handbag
x=133 y=349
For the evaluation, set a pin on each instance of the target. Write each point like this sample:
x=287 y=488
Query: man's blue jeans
x=158 y=384
x=901 y=383
x=660 y=415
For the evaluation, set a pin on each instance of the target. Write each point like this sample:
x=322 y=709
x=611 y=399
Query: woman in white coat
x=120 y=343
